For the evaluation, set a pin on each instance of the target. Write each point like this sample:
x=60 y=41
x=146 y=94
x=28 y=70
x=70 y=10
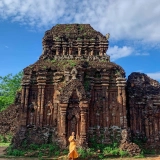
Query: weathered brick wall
x=143 y=95
x=9 y=120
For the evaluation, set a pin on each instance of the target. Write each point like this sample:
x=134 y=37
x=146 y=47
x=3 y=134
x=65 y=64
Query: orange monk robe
x=72 y=148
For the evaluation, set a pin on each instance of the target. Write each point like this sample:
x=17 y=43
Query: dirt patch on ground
x=156 y=157
x=2 y=150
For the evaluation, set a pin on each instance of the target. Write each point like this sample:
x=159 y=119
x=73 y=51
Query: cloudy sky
x=134 y=28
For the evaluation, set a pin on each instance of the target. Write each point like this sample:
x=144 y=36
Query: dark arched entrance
x=73 y=116
x=73 y=112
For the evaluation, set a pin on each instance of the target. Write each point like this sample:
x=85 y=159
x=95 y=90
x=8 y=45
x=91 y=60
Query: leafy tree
x=9 y=85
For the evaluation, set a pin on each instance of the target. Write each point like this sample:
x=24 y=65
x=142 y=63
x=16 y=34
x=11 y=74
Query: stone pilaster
x=62 y=129
x=23 y=98
x=41 y=79
x=26 y=97
x=39 y=105
x=91 y=112
x=55 y=114
x=105 y=84
x=83 y=134
x=42 y=105
x=121 y=99
x=24 y=105
x=106 y=118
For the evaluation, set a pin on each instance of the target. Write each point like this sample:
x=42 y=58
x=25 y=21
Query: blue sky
x=134 y=28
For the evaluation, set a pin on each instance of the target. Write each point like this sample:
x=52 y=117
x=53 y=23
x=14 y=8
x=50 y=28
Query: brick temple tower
x=74 y=86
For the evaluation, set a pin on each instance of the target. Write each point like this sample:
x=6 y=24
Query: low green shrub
x=6 y=138
x=100 y=156
x=65 y=151
x=43 y=150
x=149 y=151
x=33 y=147
x=140 y=156
x=115 y=151
x=107 y=150
x=40 y=154
x=141 y=142
x=83 y=152
x=14 y=152
x=123 y=153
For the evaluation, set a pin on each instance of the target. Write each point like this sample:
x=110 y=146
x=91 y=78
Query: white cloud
x=117 y=52
x=34 y=13
x=155 y=75
x=123 y=19
x=142 y=54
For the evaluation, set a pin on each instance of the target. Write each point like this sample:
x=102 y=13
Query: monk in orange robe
x=72 y=147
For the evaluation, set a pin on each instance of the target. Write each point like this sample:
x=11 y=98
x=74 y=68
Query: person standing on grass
x=73 y=154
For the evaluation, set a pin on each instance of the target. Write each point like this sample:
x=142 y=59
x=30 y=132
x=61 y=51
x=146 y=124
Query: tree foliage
x=9 y=85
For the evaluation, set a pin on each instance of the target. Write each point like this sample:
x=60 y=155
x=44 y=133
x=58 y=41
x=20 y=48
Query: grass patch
x=15 y=152
x=34 y=150
x=6 y=138
x=101 y=151
x=4 y=144
x=139 y=156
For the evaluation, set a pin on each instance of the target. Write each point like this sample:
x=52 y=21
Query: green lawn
x=4 y=144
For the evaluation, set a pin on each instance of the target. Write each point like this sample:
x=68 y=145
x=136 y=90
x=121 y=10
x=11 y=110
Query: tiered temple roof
x=74 y=41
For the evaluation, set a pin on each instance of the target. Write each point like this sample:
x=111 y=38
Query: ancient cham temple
x=74 y=87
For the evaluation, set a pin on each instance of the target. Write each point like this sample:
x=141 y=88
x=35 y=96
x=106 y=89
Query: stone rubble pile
x=132 y=148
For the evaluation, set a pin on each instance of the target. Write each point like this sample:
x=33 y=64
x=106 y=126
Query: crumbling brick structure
x=74 y=87
x=143 y=95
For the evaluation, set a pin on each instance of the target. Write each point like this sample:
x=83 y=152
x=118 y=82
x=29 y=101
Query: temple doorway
x=73 y=116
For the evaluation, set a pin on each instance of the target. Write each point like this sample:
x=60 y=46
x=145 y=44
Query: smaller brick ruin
x=143 y=101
